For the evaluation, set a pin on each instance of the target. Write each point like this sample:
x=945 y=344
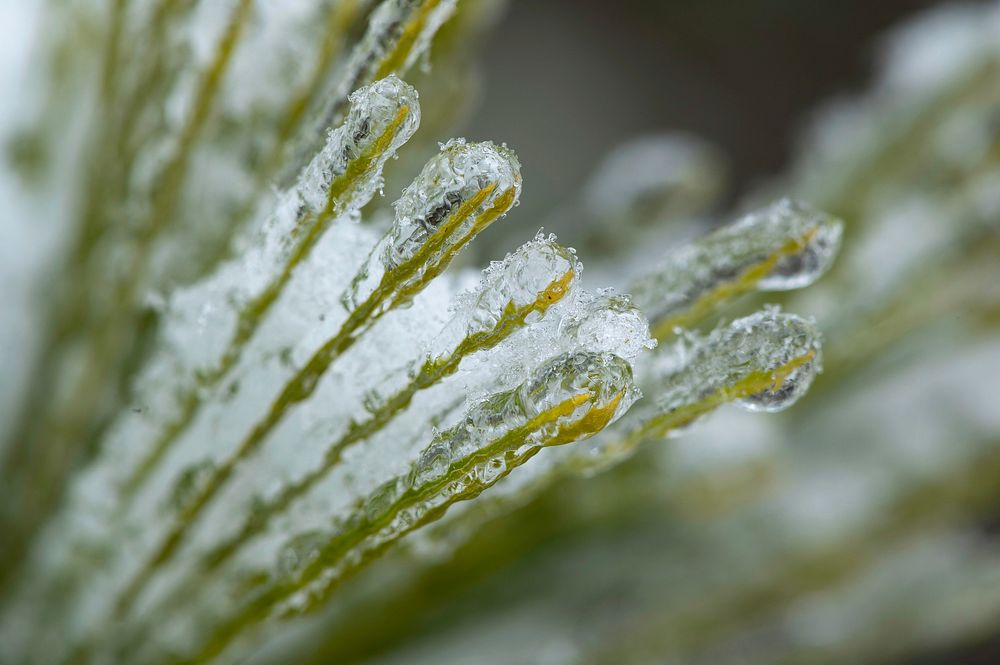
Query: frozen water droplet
x=787 y=245
x=459 y=173
x=800 y=348
x=525 y=284
x=607 y=321
x=605 y=377
x=459 y=192
x=820 y=234
x=788 y=392
x=764 y=362
x=567 y=389
x=383 y=116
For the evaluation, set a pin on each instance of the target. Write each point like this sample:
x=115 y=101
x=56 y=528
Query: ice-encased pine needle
x=787 y=245
x=524 y=285
x=339 y=180
x=458 y=193
x=762 y=362
x=568 y=398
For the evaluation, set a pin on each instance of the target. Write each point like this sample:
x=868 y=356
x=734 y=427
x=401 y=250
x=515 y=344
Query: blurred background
x=565 y=81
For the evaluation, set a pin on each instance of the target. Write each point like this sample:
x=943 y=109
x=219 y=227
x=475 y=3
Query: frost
x=607 y=320
x=537 y=267
x=515 y=291
x=341 y=179
x=528 y=282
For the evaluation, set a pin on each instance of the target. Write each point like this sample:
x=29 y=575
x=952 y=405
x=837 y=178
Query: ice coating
x=804 y=266
x=398 y=32
x=245 y=442
x=393 y=19
x=532 y=270
x=568 y=398
x=600 y=377
x=459 y=173
x=382 y=117
x=596 y=322
x=792 y=347
x=476 y=171
x=605 y=378
x=340 y=179
x=383 y=49
x=523 y=286
x=764 y=362
x=607 y=320
x=527 y=282
x=459 y=192
x=787 y=245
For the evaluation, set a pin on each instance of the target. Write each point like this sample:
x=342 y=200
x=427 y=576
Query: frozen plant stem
x=383 y=117
x=257 y=433
x=787 y=245
x=569 y=398
x=763 y=362
x=467 y=187
x=526 y=284
x=399 y=31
